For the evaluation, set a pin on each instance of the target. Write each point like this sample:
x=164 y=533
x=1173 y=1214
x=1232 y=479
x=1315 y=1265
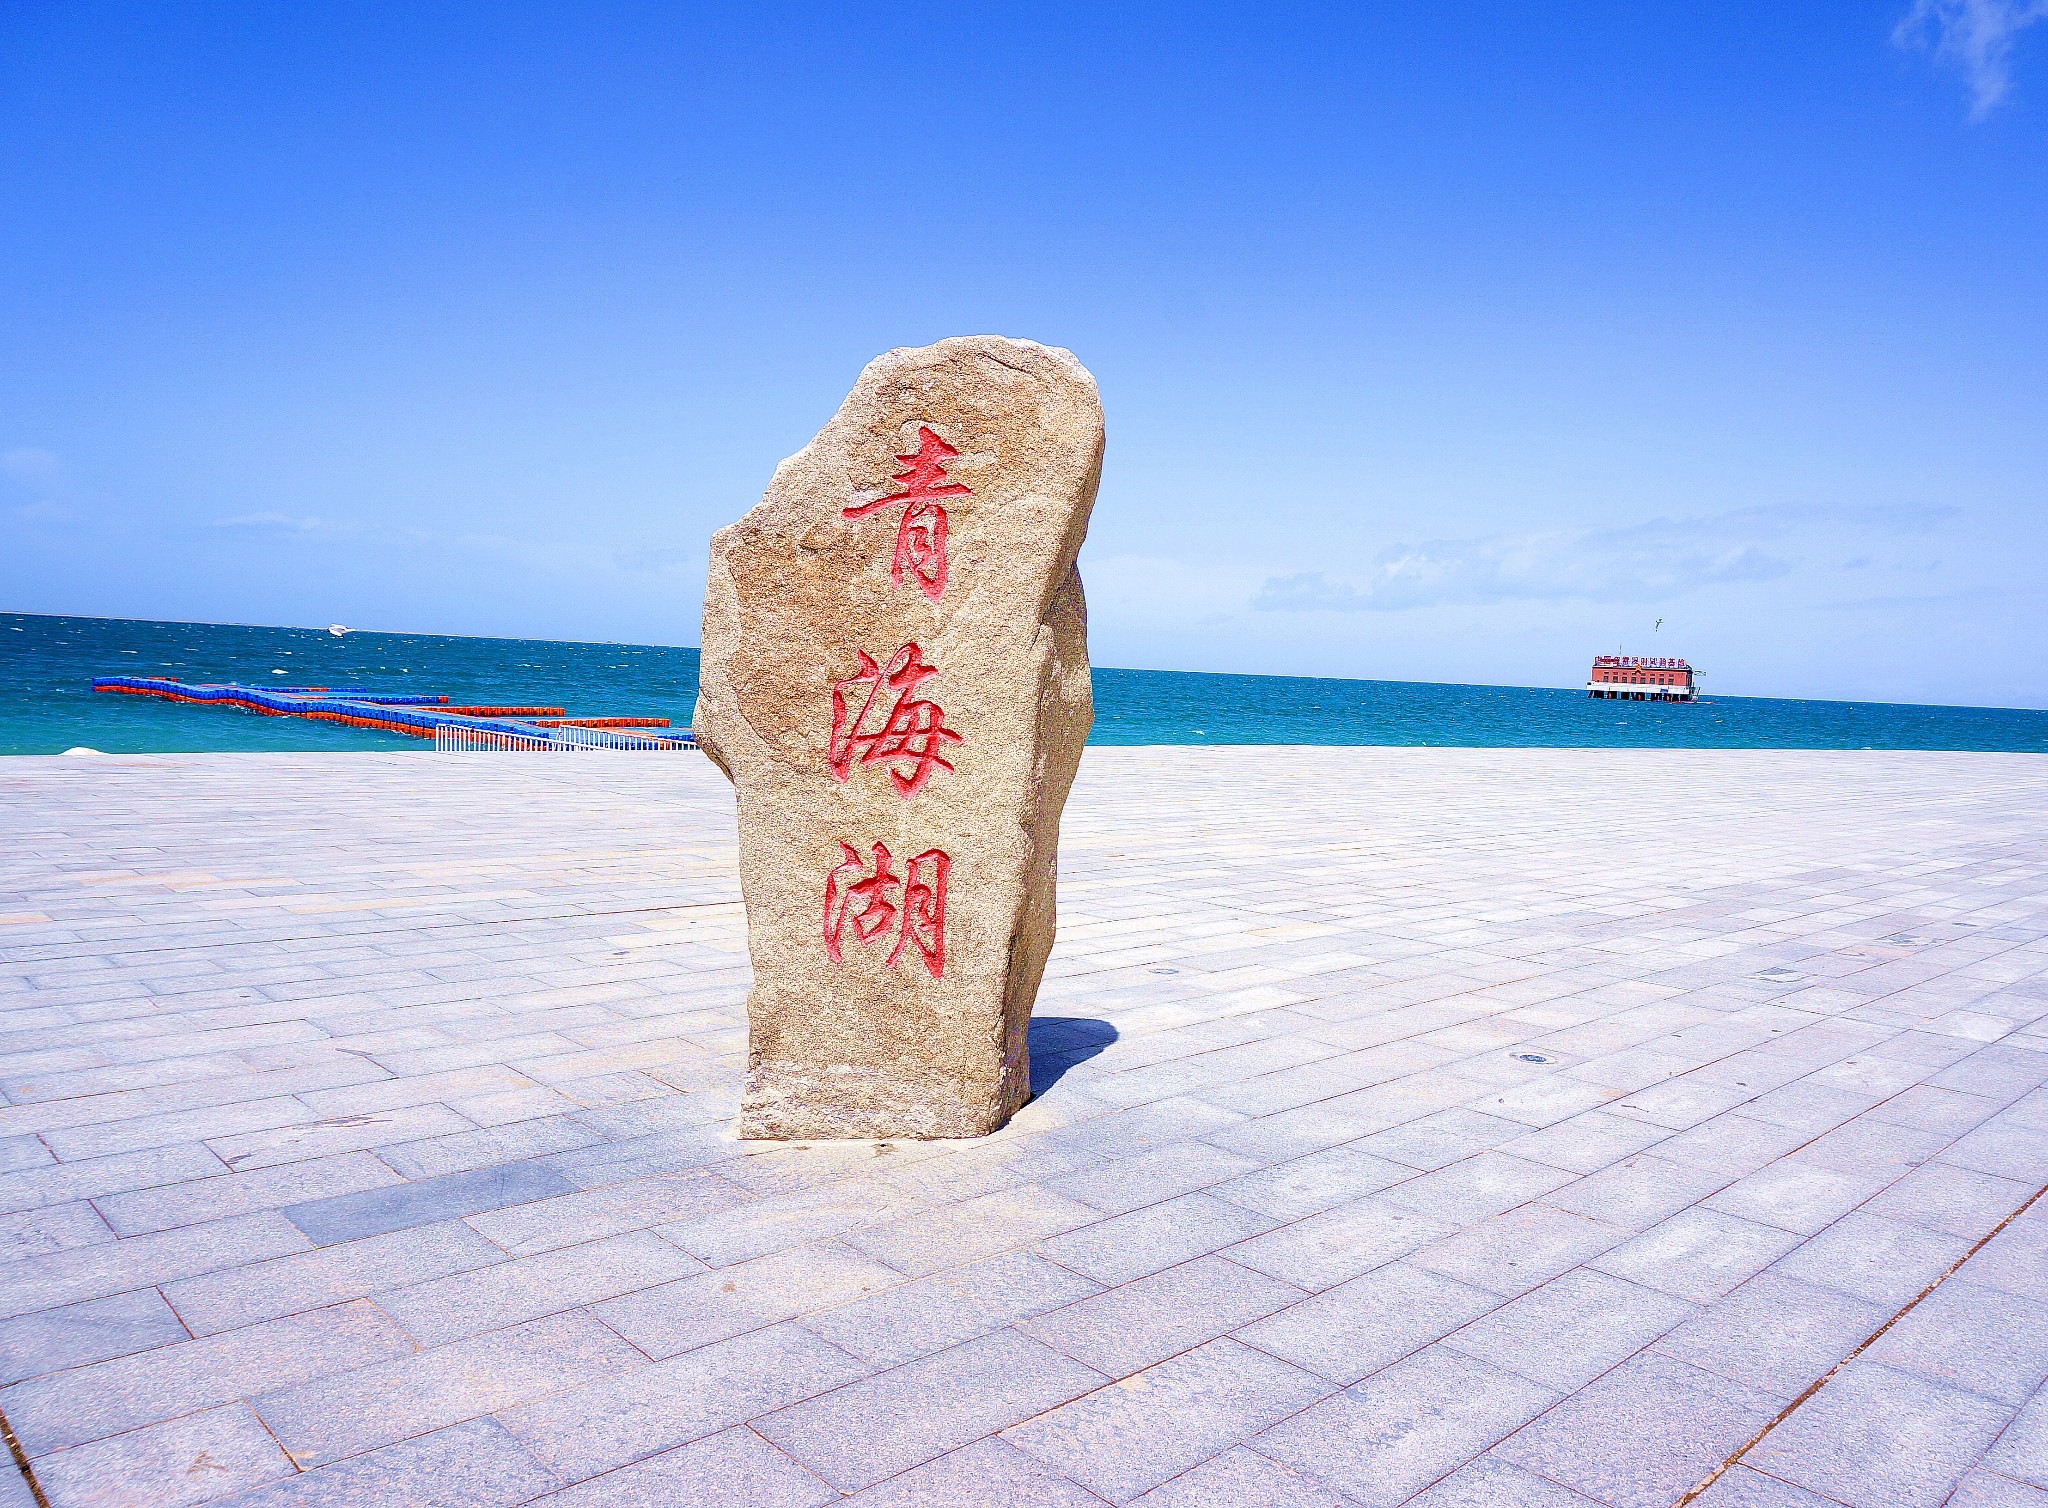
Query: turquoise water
x=47 y=704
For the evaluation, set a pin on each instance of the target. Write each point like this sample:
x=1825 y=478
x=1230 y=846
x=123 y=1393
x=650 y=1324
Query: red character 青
x=871 y=903
x=921 y=536
x=913 y=729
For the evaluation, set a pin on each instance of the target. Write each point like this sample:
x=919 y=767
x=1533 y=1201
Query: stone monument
x=895 y=680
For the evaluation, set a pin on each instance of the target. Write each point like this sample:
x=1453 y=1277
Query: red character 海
x=912 y=730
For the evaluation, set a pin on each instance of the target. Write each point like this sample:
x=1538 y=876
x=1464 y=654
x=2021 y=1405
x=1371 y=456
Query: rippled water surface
x=47 y=704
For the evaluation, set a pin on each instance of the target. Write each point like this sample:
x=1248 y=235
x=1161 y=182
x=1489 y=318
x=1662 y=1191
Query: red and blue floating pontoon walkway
x=432 y=717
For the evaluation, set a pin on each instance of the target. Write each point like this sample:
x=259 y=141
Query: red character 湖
x=870 y=902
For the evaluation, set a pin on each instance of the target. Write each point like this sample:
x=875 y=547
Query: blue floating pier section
x=453 y=728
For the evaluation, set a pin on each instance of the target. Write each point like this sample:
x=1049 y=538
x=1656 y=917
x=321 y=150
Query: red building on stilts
x=1634 y=678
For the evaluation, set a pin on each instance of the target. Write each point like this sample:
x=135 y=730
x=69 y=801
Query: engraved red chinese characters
x=921 y=536
x=870 y=902
x=913 y=730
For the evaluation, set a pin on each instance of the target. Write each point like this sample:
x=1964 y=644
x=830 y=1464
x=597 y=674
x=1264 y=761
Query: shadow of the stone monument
x=1057 y=1043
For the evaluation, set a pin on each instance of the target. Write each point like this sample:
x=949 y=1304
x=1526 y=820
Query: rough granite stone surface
x=895 y=678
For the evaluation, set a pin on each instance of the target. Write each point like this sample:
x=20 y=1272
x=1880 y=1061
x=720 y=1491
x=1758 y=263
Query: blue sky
x=1438 y=342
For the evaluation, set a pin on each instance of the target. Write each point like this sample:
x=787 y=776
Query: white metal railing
x=458 y=740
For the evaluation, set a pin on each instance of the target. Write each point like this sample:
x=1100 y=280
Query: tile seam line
x=21 y=1463
x=1424 y=1171
x=482 y=921
x=1650 y=1344
x=1870 y=1340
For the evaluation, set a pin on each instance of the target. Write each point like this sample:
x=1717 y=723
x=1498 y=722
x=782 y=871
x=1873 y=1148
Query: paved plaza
x=1459 y=1127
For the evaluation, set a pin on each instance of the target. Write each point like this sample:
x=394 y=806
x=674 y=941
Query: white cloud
x=43 y=512
x=1649 y=562
x=25 y=463
x=1975 y=36
x=657 y=559
x=276 y=523
x=1155 y=591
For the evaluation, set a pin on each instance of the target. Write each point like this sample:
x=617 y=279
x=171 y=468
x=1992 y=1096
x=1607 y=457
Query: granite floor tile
x=1324 y=1250
x=1486 y=1184
x=1954 y=1201
x=1873 y=1258
x=92 y=1272
x=1794 y=1196
x=1874 y=1436
x=2009 y=1151
x=780 y=1221
x=419 y=1089
x=379 y=1211
x=986 y=1474
x=1703 y=990
x=200 y=1458
x=1151 y=1177
x=1124 y=1439
x=303 y=1139
x=1735 y=1142
x=727 y=1301
x=78 y=1334
x=2016 y=1259
x=873 y=1429
x=1639 y=1192
x=2022 y=1449
x=1983 y=1489
x=55 y=1227
x=958 y=1234
x=1698 y=1254
x=1436 y=1141
x=1309 y=1185
x=1643 y=1434
x=1347 y=1332
x=1148 y=1240
x=1125 y=1329
x=1739 y=1487
x=1926 y=1107
x=632 y=1413
x=734 y=1468
x=572 y=1219
x=244 y=1295
x=1871 y=1146
x=1385 y=1439
x=109 y=1397
x=1977 y=1339
x=912 y=1319
x=465 y=1148
x=470 y=1465
x=1490 y=1482
x=1775 y=1333
x=1572 y=1329
x=232 y=1126
x=1587 y=1142
x=1513 y=1253
x=1680 y=1102
x=18 y=1152
x=377 y=1405
x=524 y=1288
x=1238 y=1477
x=605 y=1162
x=198 y=1200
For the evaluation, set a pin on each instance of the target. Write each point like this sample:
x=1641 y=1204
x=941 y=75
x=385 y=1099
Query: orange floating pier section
x=521 y=728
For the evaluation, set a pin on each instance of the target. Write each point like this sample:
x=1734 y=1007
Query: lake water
x=47 y=703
